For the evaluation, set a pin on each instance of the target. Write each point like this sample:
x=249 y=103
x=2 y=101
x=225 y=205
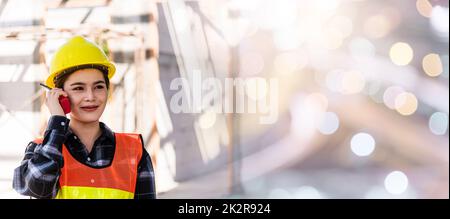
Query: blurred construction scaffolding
x=352 y=95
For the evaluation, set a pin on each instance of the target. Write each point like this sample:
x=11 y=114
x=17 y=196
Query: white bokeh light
x=307 y=192
x=288 y=39
x=333 y=80
x=362 y=144
x=439 y=21
x=279 y=193
x=438 y=123
x=390 y=94
x=361 y=48
x=329 y=124
x=396 y=182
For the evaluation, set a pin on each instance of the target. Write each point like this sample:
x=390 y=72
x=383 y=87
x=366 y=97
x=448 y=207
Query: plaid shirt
x=38 y=174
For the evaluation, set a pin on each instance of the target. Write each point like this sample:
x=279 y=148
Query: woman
x=82 y=157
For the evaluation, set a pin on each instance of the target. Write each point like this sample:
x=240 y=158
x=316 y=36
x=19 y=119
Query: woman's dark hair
x=62 y=77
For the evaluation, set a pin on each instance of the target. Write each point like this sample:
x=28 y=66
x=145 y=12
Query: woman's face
x=87 y=93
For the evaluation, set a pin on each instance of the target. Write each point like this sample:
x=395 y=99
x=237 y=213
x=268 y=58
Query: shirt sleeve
x=145 y=183
x=38 y=173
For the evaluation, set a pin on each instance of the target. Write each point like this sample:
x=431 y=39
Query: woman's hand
x=52 y=101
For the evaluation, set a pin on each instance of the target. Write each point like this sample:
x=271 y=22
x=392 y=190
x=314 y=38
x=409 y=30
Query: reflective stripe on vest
x=117 y=181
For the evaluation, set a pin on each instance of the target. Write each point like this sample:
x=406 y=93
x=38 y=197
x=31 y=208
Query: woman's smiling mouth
x=89 y=108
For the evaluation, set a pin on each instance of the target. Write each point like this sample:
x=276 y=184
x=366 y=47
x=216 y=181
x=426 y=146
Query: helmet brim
x=110 y=66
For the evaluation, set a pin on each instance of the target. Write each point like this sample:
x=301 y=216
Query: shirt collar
x=106 y=132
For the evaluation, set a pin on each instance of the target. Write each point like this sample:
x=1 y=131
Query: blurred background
x=360 y=98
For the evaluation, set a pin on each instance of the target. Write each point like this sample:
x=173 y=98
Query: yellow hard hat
x=78 y=52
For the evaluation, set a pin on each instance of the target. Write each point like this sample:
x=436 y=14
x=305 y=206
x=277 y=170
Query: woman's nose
x=89 y=95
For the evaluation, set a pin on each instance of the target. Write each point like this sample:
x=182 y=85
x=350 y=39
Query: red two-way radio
x=63 y=101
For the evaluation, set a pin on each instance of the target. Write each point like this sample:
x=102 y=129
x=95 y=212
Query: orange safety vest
x=117 y=181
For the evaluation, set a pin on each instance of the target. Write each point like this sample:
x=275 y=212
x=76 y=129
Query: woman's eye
x=100 y=87
x=78 y=88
